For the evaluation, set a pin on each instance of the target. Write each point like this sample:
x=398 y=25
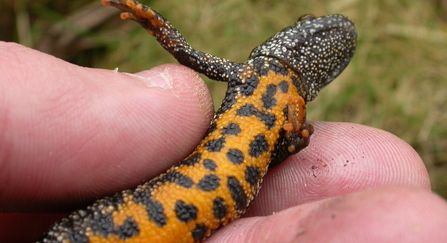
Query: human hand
x=70 y=134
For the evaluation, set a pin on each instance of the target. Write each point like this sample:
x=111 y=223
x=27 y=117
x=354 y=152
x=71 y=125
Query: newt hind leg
x=295 y=133
x=213 y=67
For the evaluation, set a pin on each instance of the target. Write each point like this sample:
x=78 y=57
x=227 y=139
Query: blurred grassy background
x=396 y=81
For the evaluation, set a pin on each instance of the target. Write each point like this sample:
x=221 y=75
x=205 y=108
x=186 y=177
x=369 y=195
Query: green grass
x=396 y=81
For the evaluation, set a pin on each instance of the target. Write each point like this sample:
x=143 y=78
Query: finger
x=385 y=214
x=70 y=134
x=342 y=158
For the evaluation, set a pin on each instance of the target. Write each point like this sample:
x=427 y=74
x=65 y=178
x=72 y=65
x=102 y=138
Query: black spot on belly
x=247 y=110
x=155 y=210
x=258 y=146
x=268 y=119
x=210 y=164
x=268 y=102
x=231 y=129
x=235 y=156
x=128 y=229
x=194 y=159
x=208 y=183
x=102 y=223
x=249 y=86
x=215 y=145
x=220 y=210
x=250 y=110
x=267 y=98
x=199 y=232
x=185 y=212
x=177 y=178
x=252 y=175
x=237 y=193
x=284 y=86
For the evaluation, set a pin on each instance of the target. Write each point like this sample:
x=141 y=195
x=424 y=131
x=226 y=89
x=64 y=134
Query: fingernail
x=154 y=78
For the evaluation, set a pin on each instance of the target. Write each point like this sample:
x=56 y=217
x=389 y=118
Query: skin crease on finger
x=75 y=125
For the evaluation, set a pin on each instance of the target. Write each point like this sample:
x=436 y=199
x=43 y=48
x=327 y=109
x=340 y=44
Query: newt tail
x=261 y=122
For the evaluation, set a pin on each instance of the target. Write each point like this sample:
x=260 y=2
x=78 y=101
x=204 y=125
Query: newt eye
x=306 y=17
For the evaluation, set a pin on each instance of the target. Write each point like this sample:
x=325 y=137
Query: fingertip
x=341 y=158
x=383 y=155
